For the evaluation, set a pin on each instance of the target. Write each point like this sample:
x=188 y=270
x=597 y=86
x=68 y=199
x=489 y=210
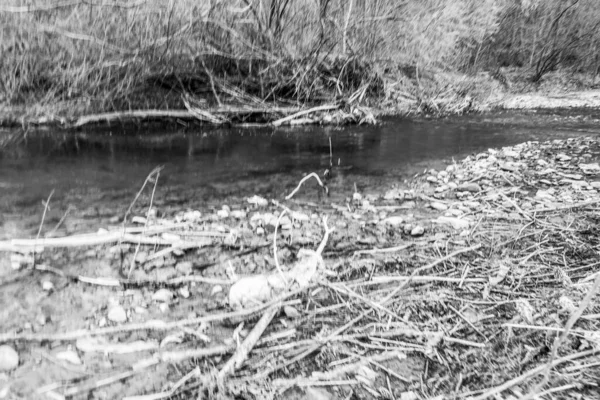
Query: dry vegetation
x=71 y=57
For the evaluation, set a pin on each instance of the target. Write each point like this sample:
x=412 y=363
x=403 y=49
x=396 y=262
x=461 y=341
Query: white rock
x=117 y=314
x=436 y=205
x=222 y=213
x=590 y=168
x=238 y=214
x=258 y=201
x=544 y=195
x=47 y=286
x=291 y=312
x=184 y=267
x=456 y=223
x=417 y=231
x=9 y=358
x=469 y=187
x=162 y=295
x=163 y=307
x=394 y=220
x=431 y=179
x=184 y=292
x=510 y=153
x=216 y=289
x=300 y=217
x=69 y=356
x=357 y=197
x=563 y=157
x=393 y=194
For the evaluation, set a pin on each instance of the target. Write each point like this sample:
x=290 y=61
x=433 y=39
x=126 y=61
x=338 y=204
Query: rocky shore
x=476 y=280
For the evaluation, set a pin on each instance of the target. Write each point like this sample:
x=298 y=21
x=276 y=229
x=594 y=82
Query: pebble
x=9 y=358
x=238 y=214
x=163 y=307
x=222 y=213
x=417 y=231
x=184 y=267
x=563 y=157
x=216 y=289
x=456 y=223
x=469 y=187
x=47 y=286
x=394 y=220
x=438 y=206
x=162 y=295
x=291 y=312
x=432 y=179
x=69 y=356
x=184 y=292
x=117 y=314
x=258 y=201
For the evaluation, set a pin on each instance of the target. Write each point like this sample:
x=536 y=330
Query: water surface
x=98 y=170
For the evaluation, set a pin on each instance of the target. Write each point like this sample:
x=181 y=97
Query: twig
x=171 y=392
x=46 y=204
x=111 y=379
x=307 y=177
x=281 y=274
x=149 y=325
x=236 y=361
x=328 y=231
x=531 y=373
x=212 y=82
x=559 y=340
x=156 y=172
x=386 y=250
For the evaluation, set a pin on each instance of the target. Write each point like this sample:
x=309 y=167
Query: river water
x=96 y=172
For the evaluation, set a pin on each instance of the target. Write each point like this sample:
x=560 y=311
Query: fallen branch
x=149 y=325
x=235 y=362
x=325 y=107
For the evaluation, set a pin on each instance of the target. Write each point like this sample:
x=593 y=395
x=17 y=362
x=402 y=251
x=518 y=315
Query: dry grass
x=110 y=55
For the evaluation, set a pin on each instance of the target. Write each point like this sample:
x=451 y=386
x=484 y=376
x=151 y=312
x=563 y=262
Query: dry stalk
x=307 y=177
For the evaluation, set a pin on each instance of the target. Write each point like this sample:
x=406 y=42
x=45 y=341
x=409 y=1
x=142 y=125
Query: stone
x=117 y=314
x=291 y=312
x=394 y=220
x=223 y=214
x=184 y=267
x=69 y=356
x=184 y=292
x=9 y=358
x=238 y=214
x=456 y=223
x=563 y=157
x=47 y=286
x=469 y=187
x=436 y=205
x=417 y=231
x=258 y=201
x=162 y=296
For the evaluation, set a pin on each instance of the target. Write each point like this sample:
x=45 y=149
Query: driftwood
x=218 y=114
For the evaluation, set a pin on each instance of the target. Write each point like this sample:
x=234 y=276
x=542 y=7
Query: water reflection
x=115 y=159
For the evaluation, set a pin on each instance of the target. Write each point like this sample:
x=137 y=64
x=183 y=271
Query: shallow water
x=97 y=171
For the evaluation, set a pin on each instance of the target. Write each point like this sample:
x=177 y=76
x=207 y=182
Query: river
x=96 y=172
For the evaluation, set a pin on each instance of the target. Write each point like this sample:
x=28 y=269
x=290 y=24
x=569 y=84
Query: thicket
x=106 y=54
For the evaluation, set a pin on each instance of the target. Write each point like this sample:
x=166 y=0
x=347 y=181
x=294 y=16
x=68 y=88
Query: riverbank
x=403 y=284
x=398 y=96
